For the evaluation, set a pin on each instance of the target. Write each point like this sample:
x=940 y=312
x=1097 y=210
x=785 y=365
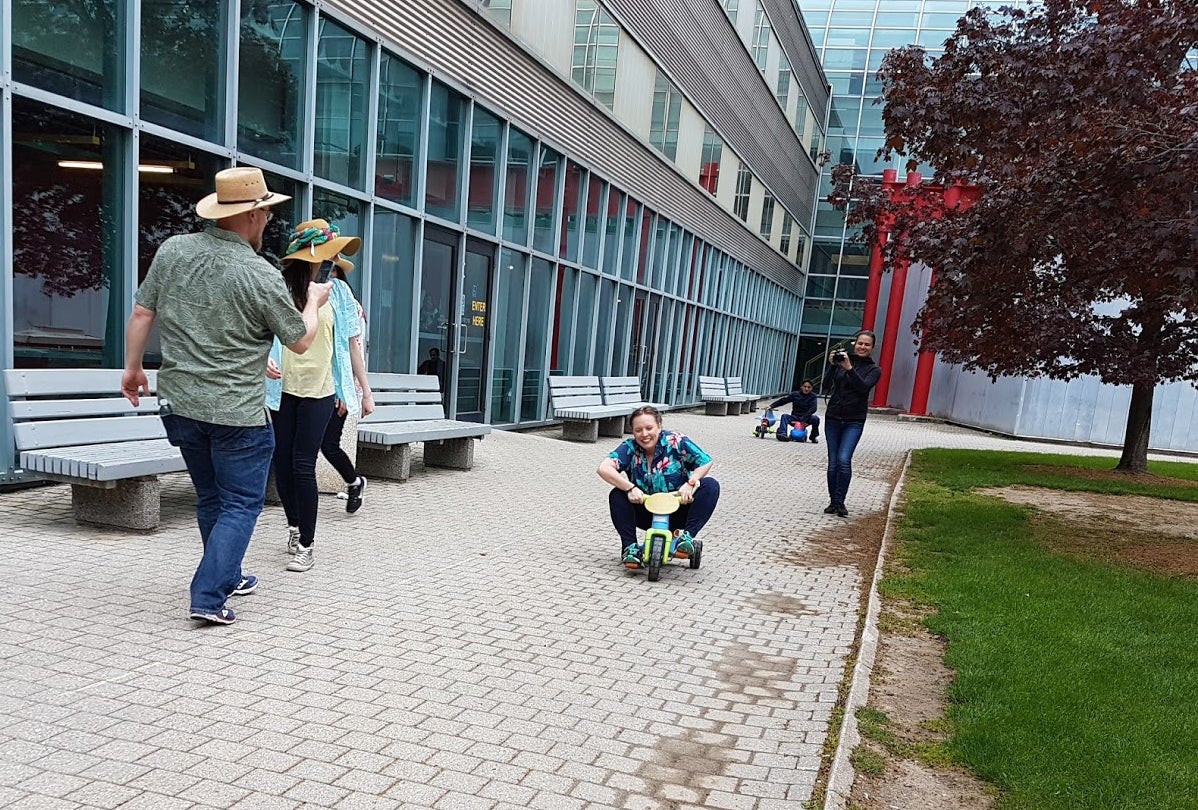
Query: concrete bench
x=578 y=402
x=626 y=391
x=73 y=426
x=748 y=401
x=407 y=410
x=714 y=393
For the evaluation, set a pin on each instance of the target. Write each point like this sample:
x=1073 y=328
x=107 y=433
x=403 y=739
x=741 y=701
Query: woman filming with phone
x=305 y=391
x=850 y=377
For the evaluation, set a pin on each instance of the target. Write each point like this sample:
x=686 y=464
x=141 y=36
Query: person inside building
x=803 y=407
x=652 y=461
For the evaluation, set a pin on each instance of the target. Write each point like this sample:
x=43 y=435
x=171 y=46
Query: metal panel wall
x=454 y=42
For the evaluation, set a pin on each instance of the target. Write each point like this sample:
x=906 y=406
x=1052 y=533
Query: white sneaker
x=303 y=560
x=292 y=539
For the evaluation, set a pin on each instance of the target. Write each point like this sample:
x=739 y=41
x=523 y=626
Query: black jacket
x=800 y=404
x=850 y=389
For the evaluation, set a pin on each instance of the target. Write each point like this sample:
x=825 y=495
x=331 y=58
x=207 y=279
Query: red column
x=894 y=307
x=873 y=288
x=923 y=374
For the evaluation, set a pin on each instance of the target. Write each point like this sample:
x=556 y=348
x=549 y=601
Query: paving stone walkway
x=467 y=641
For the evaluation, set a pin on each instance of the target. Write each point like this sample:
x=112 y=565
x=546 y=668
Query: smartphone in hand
x=326 y=270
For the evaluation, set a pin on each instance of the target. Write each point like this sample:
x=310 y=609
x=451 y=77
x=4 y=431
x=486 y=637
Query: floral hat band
x=316 y=240
x=311 y=237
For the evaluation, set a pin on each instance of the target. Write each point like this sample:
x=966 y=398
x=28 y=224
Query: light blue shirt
x=346 y=326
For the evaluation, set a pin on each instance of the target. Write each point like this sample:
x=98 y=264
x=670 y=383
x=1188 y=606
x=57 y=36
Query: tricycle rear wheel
x=697 y=554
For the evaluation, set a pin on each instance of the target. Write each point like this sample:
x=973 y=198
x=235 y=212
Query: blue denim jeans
x=228 y=468
x=626 y=517
x=841 y=438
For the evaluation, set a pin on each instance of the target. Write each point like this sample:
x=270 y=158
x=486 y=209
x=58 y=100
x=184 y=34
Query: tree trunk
x=1139 y=424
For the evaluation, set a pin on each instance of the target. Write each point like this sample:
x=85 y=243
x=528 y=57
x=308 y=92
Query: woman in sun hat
x=303 y=390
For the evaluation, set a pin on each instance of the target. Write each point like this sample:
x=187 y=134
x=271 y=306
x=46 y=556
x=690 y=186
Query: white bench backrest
x=575 y=392
x=712 y=387
x=70 y=407
x=734 y=386
x=405 y=398
x=620 y=390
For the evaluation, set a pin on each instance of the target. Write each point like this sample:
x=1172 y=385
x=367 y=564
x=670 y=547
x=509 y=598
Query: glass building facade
x=497 y=246
x=852 y=37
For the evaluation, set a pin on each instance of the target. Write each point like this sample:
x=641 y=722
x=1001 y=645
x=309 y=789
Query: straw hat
x=316 y=240
x=240 y=189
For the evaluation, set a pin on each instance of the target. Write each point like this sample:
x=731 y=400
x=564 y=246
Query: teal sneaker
x=684 y=544
x=632 y=556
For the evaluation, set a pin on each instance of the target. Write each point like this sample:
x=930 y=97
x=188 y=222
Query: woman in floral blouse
x=652 y=461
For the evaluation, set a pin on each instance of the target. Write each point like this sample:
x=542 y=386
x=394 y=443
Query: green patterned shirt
x=218 y=306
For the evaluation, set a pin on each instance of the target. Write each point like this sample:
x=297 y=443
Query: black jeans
x=300 y=424
x=330 y=447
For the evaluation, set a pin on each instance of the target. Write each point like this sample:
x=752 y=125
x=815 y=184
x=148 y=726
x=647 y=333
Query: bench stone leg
x=612 y=426
x=457 y=454
x=717 y=409
x=581 y=431
x=627 y=424
x=394 y=463
x=132 y=504
x=749 y=406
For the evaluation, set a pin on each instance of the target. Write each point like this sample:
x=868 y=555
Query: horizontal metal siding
x=697 y=44
x=449 y=38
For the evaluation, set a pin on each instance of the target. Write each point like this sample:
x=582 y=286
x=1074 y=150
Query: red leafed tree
x=1078 y=119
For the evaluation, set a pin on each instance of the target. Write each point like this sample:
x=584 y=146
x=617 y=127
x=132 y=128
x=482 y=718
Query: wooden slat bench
x=578 y=402
x=73 y=426
x=714 y=393
x=408 y=409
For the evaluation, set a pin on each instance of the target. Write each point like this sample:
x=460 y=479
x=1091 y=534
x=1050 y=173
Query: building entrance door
x=454 y=311
x=642 y=354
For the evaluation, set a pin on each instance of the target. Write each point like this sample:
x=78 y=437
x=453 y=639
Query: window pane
x=632 y=215
x=392 y=253
x=183 y=65
x=571 y=211
x=518 y=187
x=484 y=179
x=270 y=75
x=509 y=306
x=400 y=102
x=342 y=87
x=563 y=329
x=584 y=332
x=447 y=111
x=66 y=249
x=536 y=339
x=611 y=237
x=594 y=209
x=345 y=213
x=73 y=49
x=543 y=233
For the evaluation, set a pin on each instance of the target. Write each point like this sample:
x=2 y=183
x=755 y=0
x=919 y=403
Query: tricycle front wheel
x=656 y=551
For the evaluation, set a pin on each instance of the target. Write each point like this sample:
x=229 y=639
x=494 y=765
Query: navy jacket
x=850 y=389
x=800 y=404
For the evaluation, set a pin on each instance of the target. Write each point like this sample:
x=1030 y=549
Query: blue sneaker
x=684 y=544
x=222 y=616
x=632 y=556
x=247 y=585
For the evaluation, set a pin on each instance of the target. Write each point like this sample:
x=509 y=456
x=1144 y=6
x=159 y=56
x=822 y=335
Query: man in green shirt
x=218 y=306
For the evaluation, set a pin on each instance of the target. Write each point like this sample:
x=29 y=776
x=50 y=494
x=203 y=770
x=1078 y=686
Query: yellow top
x=311 y=374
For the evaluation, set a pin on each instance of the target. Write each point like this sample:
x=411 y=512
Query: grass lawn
x=1075 y=678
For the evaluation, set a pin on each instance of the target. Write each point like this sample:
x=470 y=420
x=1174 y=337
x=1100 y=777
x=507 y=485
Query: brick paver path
x=467 y=641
